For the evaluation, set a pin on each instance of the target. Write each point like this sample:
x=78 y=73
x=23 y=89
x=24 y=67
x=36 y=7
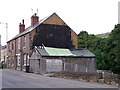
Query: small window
x=18 y=60
x=24 y=59
x=18 y=43
x=28 y=59
x=8 y=47
x=24 y=41
x=12 y=45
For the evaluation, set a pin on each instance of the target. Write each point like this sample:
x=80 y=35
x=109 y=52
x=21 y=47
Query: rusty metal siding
x=68 y=64
x=80 y=64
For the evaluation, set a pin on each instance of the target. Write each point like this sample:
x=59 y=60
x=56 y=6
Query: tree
x=107 y=50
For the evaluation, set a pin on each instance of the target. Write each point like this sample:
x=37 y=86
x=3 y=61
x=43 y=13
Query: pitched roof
x=48 y=51
x=30 y=28
x=83 y=52
x=42 y=52
x=58 y=51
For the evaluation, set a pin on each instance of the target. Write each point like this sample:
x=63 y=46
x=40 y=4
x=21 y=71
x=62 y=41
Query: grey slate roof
x=76 y=52
x=83 y=52
x=30 y=28
x=42 y=52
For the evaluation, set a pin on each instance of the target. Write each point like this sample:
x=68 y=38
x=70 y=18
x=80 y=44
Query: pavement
x=20 y=79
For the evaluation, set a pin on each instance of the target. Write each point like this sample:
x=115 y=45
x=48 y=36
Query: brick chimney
x=22 y=27
x=34 y=19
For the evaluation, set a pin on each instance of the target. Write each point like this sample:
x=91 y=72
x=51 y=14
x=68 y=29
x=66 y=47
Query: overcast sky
x=93 y=16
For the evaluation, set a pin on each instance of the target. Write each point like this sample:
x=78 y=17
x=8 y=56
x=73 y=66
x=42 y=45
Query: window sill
x=12 y=50
x=19 y=65
x=24 y=47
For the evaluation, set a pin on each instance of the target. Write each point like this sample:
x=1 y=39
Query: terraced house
x=51 y=31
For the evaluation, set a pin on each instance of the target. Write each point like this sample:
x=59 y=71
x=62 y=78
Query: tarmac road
x=19 y=79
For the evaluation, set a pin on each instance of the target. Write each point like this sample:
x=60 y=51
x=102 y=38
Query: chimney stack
x=34 y=19
x=22 y=27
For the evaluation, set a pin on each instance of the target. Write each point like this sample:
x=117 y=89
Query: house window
x=18 y=60
x=12 y=45
x=30 y=41
x=24 y=41
x=18 y=43
x=13 y=58
x=24 y=59
x=8 y=47
x=28 y=59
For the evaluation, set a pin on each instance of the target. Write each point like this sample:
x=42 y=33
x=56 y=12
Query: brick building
x=51 y=31
x=4 y=53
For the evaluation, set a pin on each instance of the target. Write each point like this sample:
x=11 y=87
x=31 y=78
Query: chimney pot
x=34 y=19
x=22 y=27
x=23 y=21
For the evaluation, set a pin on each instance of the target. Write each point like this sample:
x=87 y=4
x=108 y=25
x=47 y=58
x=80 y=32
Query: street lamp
x=6 y=29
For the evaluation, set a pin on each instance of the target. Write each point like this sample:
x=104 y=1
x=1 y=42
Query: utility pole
x=6 y=30
x=0 y=48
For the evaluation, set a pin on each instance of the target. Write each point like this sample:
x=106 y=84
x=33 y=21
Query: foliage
x=107 y=50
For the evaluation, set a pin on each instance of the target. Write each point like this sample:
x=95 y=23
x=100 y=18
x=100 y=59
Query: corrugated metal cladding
x=59 y=59
x=58 y=51
x=49 y=51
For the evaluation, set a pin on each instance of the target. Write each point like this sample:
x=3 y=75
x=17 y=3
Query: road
x=19 y=79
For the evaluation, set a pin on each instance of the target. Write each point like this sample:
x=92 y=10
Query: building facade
x=4 y=54
x=51 y=31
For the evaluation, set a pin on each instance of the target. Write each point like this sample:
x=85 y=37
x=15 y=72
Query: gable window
x=18 y=43
x=24 y=41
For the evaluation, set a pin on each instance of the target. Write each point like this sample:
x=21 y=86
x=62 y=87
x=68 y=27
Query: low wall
x=107 y=78
x=84 y=76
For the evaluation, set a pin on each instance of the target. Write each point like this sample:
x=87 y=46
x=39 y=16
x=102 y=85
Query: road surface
x=19 y=79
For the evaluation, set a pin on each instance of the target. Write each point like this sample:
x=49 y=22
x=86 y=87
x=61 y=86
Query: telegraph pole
x=0 y=48
x=6 y=30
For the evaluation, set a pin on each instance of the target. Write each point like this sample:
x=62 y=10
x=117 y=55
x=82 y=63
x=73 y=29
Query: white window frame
x=24 y=41
x=28 y=59
x=24 y=60
x=18 y=60
x=13 y=43
x=19 y=43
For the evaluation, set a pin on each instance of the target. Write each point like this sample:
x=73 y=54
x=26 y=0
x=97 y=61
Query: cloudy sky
x=93 y=16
